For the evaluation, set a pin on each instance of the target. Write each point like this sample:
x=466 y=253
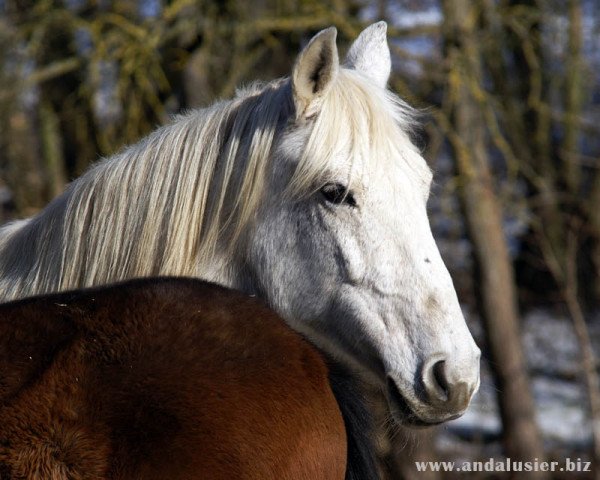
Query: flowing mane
x=164 y=205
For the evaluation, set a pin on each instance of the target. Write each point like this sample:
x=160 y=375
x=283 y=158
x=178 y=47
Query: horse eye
x=337 y=193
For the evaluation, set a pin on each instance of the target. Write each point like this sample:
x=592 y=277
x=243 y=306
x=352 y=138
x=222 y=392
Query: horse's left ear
x=370 y=54
x=314 y=72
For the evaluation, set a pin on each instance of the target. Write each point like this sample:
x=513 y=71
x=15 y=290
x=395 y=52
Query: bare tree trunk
x=564 y=271
x=588 y=359
x=24 y=172
x=575 y=89
x=573 y=99
x=52 y=149
x=483 y=213
x=594 y=215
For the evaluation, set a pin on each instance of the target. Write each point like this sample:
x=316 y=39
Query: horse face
x=352 y=263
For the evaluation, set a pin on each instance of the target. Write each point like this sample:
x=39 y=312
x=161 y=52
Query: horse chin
x=404 y=413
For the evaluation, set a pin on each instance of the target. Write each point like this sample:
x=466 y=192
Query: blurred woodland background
x=510 y=98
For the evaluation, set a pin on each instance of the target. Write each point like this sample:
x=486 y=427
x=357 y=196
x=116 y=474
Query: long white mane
x=163 y=205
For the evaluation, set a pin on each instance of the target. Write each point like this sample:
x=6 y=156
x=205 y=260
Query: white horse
x=305 y=191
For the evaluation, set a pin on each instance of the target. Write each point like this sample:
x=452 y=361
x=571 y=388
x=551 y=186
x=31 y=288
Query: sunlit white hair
x=161 y=206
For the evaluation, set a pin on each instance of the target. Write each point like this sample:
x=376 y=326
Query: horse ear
x=314 y=72
x=370 y=54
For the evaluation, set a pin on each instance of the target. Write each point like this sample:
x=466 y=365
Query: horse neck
x=225 y=271
x=353 y=399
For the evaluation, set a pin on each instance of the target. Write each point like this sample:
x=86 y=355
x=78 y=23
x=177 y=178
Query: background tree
x=483 y=215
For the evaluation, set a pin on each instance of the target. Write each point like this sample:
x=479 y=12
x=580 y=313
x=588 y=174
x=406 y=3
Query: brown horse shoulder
x=168 y=378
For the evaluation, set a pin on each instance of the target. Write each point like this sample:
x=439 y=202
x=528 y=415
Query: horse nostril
x=438 y=387
x=440 y=380
x=446 y=389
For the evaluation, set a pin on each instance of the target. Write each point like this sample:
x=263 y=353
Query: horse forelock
x=357 y=120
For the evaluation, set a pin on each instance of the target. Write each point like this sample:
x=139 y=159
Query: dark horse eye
x=337 y=193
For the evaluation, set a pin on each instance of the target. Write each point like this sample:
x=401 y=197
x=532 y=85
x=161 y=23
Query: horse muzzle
x=441 y=391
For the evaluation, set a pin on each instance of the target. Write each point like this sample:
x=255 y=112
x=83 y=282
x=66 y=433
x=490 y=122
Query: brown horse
x=162 y=379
